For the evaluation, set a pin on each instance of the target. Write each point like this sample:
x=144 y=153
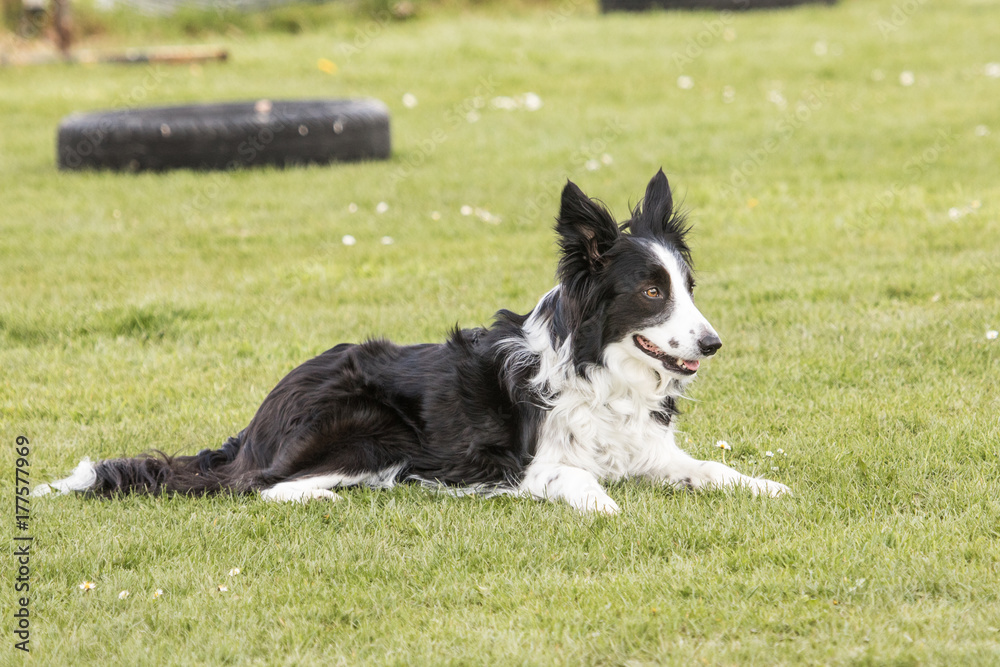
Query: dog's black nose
x=709 y=344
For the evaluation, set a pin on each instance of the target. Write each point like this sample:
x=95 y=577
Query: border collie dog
x=583 y=388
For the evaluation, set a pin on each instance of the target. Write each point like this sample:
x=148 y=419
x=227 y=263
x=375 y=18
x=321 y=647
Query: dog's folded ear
x=586 y=231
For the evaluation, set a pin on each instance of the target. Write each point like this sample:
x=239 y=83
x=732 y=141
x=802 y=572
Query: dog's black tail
x=208 y=471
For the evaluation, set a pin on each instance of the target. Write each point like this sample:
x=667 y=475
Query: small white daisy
x=769 y=454
x=906 y=78
x=88 y=586
x=435 y=215
x=348 y=240
x=503 y=103
x=158 y=593
x=982 y=131
x=233 y=572
x=381 y=207
x=409 y=100
x=222 y=588
x=992 y=334
x=592 y=165
x=684 y=82
x=486 y=216
x=722 y=444
x=472 y=117
x=466 y=210
x=819 y=48
x=387 y=240
x=992 y=70
x=532 y=102
x=123 y=595
x=352 y=207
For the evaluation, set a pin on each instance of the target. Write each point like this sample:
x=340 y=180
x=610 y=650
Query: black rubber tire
x=731 y=5
x=226 y=136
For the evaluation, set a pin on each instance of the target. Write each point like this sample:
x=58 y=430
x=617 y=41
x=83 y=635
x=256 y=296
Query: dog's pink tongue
x=690 y=365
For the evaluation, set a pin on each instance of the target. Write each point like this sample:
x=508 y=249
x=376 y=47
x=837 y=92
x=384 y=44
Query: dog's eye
x=652 y=292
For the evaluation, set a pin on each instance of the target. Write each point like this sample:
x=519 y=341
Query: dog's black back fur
x=465 y=412
x=352 y=410
x=547 y=405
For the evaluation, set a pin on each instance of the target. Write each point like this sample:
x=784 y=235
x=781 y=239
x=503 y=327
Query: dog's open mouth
x=676 y=364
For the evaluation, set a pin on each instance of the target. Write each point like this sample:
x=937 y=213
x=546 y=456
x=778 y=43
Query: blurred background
x=839 y=165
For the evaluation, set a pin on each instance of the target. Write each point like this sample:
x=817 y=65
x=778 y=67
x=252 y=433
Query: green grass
x=141 y=311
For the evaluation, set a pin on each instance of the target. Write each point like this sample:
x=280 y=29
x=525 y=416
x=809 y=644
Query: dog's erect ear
x=658 y=204
x=656 y=218
x=586 y=230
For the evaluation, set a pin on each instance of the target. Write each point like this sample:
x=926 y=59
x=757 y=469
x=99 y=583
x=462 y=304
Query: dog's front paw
x=766 y=487
x=319 y=494
x=291 y=494
x=601 y=503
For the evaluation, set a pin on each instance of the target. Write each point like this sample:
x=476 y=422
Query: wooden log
x=171 y=55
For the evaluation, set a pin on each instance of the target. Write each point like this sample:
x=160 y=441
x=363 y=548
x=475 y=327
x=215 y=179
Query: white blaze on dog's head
x=684 y=337
x=679 y=336
x=627 y=289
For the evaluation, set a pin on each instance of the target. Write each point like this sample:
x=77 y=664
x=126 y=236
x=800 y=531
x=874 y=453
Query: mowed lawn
x=841 y=169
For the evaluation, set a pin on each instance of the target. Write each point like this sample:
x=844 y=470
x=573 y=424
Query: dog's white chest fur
x=595 y=370
x=605 y=424
x=609 y=424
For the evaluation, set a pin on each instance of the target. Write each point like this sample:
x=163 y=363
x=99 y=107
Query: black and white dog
x=583 y=388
